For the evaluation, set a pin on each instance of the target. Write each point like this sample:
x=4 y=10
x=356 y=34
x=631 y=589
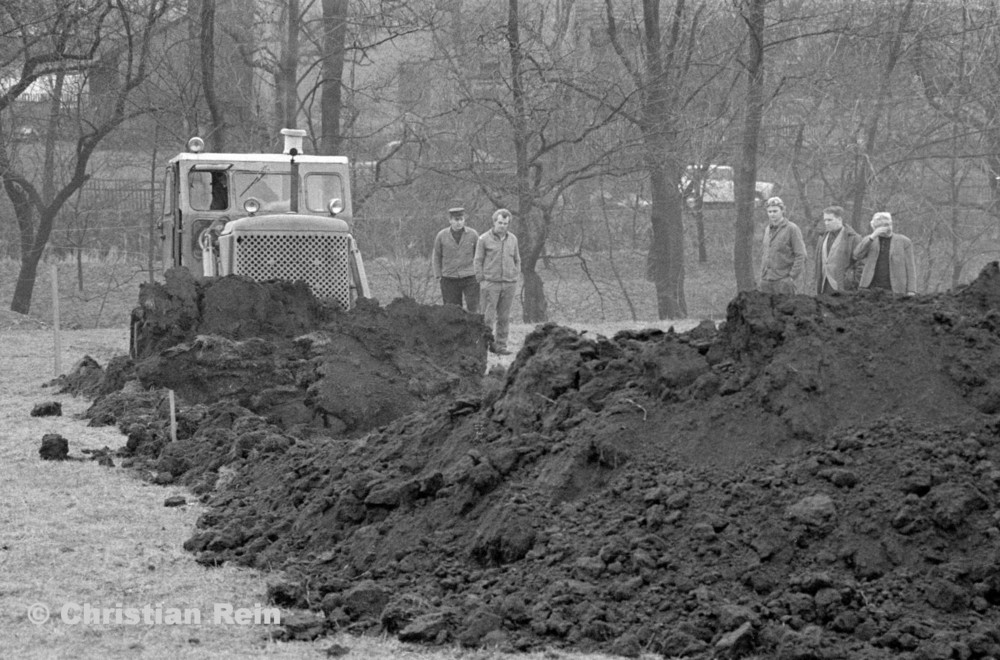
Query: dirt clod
x=54 y=447
x=818 y=477
x=47 y=409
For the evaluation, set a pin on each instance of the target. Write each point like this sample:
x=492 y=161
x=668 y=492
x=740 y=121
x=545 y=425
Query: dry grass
x=75 y=532
x=600 y=289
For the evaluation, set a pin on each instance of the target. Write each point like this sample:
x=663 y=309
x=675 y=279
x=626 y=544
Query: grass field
x=74 y=533
x=599 y=289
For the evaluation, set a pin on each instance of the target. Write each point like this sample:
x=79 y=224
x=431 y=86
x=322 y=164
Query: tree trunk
x=667 y=249
x=698 y=211
x=206 y=39
x=25 y=287
x=49 y=167
x=153 y=172
x=334 y=33
x=290 y=68
x=23 y=212
x=79 y=268
x=534 y=308
x=659 y=135
x=533 y=303
x=745 y=186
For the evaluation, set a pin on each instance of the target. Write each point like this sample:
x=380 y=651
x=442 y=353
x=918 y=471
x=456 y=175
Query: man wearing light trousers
x=498 y=266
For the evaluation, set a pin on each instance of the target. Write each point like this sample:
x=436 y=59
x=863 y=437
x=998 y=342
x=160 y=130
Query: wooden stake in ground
x=55 y=321
x=173 y=418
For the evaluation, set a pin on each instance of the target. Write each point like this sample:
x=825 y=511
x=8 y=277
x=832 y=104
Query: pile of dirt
x=818 y=478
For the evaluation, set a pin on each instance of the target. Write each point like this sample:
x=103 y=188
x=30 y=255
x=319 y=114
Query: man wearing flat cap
x=784 y=256
x=454 y=249
x=888 y=257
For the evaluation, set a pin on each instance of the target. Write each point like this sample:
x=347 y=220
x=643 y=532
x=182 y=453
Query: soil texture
x=818 y=477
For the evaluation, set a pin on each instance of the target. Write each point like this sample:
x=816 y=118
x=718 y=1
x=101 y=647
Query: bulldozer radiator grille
x=321 y=260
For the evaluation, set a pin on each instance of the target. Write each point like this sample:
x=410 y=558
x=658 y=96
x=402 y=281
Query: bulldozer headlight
x=335 y=206
x=251 y=205
x=196 y=145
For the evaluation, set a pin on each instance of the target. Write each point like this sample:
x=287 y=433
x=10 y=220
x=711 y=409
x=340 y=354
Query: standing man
x=784 y=255
x=454 y=249
x=888 y=257
x=498 y=265
x=836 y=269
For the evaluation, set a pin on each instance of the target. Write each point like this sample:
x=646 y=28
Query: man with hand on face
x=784 y=255
x=454 y=250
x=498 y=266
x=888 y=257
x=836 y=268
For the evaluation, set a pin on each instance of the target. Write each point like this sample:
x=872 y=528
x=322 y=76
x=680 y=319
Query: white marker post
x=173 y=418
x=55 y=320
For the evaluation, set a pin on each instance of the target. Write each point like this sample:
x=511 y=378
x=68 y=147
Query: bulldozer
x=264 y=216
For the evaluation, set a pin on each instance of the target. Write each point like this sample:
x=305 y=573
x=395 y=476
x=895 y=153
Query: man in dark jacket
x=836 y=269
x=454 y=249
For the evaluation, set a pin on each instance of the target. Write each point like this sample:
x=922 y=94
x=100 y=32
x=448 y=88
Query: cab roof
x=225 y=158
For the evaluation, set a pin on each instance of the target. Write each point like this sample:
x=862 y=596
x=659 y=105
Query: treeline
x=598 y=122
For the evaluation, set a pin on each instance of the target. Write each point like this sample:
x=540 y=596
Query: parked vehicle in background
x=717 y=186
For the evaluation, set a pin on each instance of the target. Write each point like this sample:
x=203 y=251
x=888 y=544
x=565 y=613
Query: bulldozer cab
x=264 y=216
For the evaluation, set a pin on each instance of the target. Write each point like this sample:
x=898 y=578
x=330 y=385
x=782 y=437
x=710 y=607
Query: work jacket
x=451 y=259
x=839 y=265
x=902 y=267
x=497 y=259
x=784 y=252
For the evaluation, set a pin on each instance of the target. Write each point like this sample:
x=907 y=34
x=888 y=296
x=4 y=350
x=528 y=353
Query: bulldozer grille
x=321 y=260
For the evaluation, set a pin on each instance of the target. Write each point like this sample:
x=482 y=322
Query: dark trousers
x=453 y=289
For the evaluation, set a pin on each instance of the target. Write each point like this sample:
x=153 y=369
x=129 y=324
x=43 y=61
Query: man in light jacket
x=836 y=269
x=888 y=257
x=784 y=255
x=454 y=250
x=498 y=266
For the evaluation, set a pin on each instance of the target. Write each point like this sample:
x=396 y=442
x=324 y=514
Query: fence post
x=55 y=320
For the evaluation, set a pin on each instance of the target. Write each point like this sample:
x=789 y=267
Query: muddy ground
x=816 y=478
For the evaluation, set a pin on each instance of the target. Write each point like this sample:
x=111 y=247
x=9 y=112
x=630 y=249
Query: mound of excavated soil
x=819 y=478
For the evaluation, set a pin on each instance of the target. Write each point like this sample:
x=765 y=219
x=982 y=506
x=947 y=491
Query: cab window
x=320 y=188
x=168 y=193
x=208 y=190
x=267 y=187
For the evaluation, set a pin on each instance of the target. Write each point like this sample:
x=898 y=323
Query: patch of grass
x=110 y=289
x=76 y=533
x=591 y=288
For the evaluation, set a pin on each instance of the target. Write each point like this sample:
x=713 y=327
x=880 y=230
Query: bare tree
x=862 y=162
x=333 y=52
x=752 y=13
x=289 y=82
x=206 y=41
x=524 y=124
x=958 y=66
x=109 y=45
x=659 y=78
